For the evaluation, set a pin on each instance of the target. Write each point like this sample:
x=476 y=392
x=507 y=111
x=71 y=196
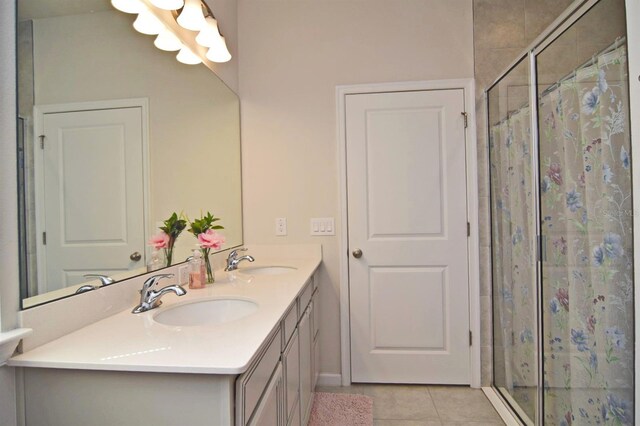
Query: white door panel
x=93 y=193
x=407 y=213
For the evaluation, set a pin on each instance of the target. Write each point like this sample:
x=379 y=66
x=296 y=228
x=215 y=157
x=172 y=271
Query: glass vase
x=207 y=264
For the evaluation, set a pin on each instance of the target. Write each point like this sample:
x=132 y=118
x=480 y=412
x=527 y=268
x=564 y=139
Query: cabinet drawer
x=252 y=384
x=289 y=323
x=305 y=296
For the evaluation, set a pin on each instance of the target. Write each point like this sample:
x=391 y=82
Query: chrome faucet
x=150 y=298
x=104 y=279
x=233 y=259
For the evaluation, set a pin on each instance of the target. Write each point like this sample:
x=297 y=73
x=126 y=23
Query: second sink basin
x=206 y=312
x=267 y=270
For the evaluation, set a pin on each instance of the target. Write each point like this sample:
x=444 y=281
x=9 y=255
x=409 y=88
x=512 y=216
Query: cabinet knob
x=357 y=253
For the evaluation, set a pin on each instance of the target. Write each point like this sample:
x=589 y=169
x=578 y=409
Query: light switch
x=322 y=226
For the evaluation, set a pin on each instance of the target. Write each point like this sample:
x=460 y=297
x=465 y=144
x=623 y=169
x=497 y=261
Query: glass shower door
x=586 y=222
x=513 y=241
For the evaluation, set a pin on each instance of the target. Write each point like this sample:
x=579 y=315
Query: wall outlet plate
x=281 y=226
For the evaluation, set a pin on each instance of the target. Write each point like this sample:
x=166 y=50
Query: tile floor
x=413 y=405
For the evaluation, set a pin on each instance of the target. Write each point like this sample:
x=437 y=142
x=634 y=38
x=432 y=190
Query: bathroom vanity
x=247 y=366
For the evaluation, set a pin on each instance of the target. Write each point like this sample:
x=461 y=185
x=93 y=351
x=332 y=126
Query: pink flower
x=211 y=240
x=160 y=240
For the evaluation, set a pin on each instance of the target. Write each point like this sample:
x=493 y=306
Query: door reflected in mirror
x=116 y=135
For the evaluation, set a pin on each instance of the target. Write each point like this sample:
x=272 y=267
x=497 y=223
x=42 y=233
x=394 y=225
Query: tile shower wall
x=502 y=29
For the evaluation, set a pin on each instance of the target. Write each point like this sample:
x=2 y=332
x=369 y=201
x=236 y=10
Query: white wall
x=293 y=54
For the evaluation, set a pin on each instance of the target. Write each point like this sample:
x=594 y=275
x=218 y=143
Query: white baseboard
x=500 y=407
x=326 y=379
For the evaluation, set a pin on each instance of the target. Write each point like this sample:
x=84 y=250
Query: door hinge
x=468 y=229
x=470 y=338
x=44 y=238
x=41 y=141
x=465 y=116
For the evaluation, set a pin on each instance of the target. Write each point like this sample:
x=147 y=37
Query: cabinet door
x=306 y=368
x=268 y=412
x=291 y=365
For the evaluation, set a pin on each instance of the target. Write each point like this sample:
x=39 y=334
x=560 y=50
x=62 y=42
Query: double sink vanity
x=243 y=351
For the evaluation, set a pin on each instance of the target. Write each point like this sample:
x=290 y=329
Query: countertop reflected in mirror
x=90 y=197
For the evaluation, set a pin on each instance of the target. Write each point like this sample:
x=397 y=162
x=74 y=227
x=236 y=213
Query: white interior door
x=409 y=303
x=93 y=192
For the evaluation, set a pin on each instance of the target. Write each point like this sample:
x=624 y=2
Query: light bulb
x=186 y=56
x=219 y=52
x=168 y=4
x=147 y=23
x=128 y=6
x=166 y=40
x=209 y=34
x=191 y=16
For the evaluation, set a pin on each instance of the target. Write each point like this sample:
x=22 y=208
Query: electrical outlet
x=281 y=226
x=183 y=274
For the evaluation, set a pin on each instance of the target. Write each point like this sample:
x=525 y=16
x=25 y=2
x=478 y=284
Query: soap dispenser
x=155 y=262
x=196 y=271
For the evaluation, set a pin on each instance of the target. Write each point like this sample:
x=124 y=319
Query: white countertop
x=135 y=342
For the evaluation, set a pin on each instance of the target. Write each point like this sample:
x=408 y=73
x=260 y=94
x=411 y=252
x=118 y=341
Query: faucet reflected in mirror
x=87 y=73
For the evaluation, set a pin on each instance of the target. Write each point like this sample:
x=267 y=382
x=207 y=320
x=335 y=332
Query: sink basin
x=206 y=312
x=267 y=270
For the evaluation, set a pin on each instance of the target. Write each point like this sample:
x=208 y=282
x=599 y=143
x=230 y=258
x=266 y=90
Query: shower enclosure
x=562 y=225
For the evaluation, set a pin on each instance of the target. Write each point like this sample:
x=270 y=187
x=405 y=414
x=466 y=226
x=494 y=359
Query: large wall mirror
x=114 y=136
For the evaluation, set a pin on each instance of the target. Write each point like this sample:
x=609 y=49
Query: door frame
x=39 y=112
x=473 y=242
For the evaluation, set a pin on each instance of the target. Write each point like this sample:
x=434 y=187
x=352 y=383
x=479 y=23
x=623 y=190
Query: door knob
x=357 y=253
x=135 y=256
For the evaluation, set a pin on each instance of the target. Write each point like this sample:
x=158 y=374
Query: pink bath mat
x=341 y=409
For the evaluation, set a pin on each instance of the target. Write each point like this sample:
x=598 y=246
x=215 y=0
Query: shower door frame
x=570 y=16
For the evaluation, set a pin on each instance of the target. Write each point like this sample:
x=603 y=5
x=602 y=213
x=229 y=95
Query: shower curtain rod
x=614 y=46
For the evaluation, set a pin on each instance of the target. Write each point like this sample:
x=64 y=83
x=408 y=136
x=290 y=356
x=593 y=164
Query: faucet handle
x=234 y=253
x=150 y=282
x=104 y=279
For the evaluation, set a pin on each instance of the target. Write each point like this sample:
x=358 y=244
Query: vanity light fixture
x=209 y=34
x=128 y=6
x=191 y=16
x=147 y=23
x=219 y=52
x=186 y=56
x=167 y=41
x=168 y=4
x=210 y=37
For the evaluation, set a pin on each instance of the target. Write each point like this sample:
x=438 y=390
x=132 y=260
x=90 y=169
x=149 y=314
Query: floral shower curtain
x=514 y=259
x=587 y=269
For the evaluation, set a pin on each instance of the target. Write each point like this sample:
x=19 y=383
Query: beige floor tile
x=401 y=402
x=463 y=404
x=382 y=422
